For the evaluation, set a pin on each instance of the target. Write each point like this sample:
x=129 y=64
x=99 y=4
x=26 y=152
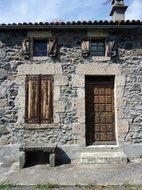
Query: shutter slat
x=46 y=99
x=32 y=99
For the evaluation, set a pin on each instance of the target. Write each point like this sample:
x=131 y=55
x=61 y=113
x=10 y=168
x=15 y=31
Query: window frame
x=98 y=40
x=32 y=46
x=40 y=40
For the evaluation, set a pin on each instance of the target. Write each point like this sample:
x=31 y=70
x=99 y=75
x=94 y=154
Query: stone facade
x=69 y=70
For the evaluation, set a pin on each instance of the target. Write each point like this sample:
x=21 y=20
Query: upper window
x=93 y=47
x=97 y=48
x=39 y=99
x=40 y=48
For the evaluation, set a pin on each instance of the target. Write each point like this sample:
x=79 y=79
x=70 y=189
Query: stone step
x=102 y=149
x=103 y=157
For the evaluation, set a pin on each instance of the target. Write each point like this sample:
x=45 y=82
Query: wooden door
x=100 y=116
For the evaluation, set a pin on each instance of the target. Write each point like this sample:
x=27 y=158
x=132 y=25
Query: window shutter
x=46 y=99
x=32 y=99
x=112 y=48
x=85 y=48
x=52 y=47
x=26 y=48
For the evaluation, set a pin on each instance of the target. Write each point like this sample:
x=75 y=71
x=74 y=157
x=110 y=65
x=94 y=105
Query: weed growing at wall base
x=46 y=186
x=6 y=185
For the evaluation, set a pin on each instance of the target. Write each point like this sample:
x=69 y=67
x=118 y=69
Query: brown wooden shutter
x=52 y=47
x=46 y=99
x=32 y=99
x=85 y=48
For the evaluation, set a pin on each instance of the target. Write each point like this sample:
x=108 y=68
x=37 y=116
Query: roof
x=73 y=24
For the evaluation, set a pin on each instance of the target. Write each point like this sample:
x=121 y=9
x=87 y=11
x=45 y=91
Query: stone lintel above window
x=97 y=34
x=39 y=34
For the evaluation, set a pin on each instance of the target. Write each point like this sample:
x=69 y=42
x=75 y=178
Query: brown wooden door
x=100 y=116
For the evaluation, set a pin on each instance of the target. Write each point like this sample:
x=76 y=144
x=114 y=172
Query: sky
x=19 y=11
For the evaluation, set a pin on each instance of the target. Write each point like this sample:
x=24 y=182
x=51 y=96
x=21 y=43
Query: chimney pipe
x=118 y=10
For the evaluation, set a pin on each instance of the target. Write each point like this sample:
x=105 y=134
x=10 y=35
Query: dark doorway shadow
x=35 y=158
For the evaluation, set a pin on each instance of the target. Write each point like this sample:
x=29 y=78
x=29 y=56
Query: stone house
x=75 y=84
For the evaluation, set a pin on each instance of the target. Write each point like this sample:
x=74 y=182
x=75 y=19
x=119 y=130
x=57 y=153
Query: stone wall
x=69 y=70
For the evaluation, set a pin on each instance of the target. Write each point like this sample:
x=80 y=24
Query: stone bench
x=50 y=149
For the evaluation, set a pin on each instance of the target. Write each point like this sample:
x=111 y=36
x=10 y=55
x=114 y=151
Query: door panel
x=100 y=117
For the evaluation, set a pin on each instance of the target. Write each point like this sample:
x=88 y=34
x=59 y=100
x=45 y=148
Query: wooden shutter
x=46 y=106
x=85 y=48
x=32 y=99
x=112 y=48
x=52 y=47
x=26 y=48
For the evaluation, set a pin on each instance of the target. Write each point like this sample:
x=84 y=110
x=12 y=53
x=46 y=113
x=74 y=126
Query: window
x=93 y=47
x=40 y=48
x=39 y=99
x=97 y=48
x=47 y=47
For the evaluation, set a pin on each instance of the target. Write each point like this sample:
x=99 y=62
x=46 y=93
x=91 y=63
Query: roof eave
x=49 y=27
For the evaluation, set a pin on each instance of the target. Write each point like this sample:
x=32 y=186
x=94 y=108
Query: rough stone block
x=59 y=106
x=81 y=117
x=56 y=93
x=98 y=69
x=79 y=129
x=122 y=102
x=127 y=71
x=2 y=53
x=20 y=101
x=81 y=92
x=52 y=159
x=58 y=69
x=120 y=81
x=20 y=81
x=2 y=103
x=56 y=117
x=79 y=104
x=119 y=92
x=3 y=130
x=22 y=160
x=60 y=80
x=81 y=140
x=122 y=126
x=78 y=81
x=36 y=69
x=3 y=74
